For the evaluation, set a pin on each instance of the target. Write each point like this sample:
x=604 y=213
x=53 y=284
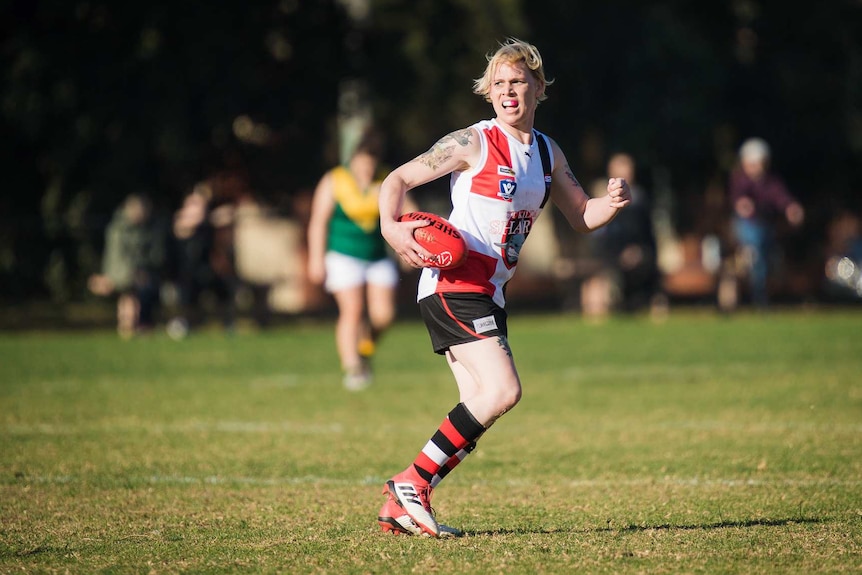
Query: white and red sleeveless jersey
x=494 y=205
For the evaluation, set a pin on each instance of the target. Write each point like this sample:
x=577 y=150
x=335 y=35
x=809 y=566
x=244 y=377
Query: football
x=440 y=238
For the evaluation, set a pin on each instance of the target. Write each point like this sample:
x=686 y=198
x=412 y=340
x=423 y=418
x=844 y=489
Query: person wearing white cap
x=758 y=195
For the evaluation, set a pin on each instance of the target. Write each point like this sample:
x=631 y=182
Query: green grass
x=701 y=445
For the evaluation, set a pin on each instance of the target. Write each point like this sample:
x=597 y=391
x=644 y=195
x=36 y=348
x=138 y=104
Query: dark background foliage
x=99 y=99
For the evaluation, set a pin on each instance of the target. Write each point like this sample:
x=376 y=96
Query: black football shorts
x=455 y=318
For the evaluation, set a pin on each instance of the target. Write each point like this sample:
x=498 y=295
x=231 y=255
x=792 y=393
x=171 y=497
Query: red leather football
x=440 y=238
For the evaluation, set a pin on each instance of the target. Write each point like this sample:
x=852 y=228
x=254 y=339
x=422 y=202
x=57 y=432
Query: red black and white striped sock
x=452 y=442
x=451 y=463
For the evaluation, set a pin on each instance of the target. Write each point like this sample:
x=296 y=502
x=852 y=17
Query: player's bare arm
x=583 y=213
x=446 y=148
x=571 y=176
x=566 y=191
x=455 y=151
x=322 y=207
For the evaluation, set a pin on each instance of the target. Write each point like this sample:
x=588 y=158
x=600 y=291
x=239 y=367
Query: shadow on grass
x=661 y=527
x=718 y=525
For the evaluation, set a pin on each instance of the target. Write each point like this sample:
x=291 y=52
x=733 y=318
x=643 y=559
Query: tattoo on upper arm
x=571 y=176
x=504 y=343
x=462 y=137
x=444 y=148
x=438 y=154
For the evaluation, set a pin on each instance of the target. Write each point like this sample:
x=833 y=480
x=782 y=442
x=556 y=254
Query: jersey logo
x=517 y=229
x=505 y=171
x=507 y=189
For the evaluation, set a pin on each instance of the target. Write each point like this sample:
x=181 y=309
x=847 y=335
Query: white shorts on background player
x=343 y=272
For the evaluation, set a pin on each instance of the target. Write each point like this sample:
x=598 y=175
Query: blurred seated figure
x=628 y=276
x=758 y=196
x=131 y=265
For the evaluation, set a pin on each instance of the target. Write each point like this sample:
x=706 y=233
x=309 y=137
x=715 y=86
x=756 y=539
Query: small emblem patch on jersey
x=505 y=171
x=507 y=189
x=484 y=324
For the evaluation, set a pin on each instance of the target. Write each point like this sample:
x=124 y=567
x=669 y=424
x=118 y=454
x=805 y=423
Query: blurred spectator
x=202 y=261
x=843 y=269
x=757 y=196
x=262 y=250
x=628 y=275
x=132 y=262
x=222 y=259
x=348 y=256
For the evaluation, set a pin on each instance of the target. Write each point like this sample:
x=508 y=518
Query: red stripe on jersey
x=475 y=273
x=452 y=434
x=487 y=181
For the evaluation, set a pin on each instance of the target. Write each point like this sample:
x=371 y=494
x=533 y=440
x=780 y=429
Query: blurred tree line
x=99 y=99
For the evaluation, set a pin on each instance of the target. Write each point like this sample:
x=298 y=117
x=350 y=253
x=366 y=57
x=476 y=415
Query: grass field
x=704 y=444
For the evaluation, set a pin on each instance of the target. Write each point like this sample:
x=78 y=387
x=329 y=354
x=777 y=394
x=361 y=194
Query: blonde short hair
x=512 y=51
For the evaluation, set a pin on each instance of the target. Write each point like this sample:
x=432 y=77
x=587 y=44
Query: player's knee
x=382 y=319
x=350 y=314
x=509 y=396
